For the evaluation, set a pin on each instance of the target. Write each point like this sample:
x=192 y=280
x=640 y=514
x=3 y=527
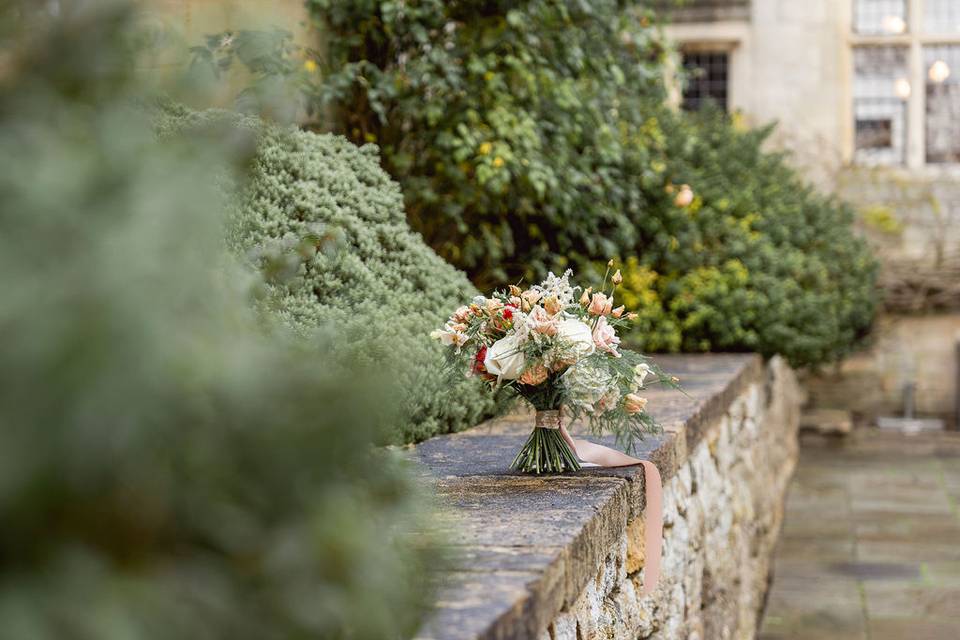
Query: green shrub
x=171 y=465
x=382 y=286
x=506 y=123
x=757 y=261
x=526 y=135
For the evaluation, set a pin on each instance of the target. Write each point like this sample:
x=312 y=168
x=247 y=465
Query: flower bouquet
x=556 y=346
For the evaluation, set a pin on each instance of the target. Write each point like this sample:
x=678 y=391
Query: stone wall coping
x=523 y=547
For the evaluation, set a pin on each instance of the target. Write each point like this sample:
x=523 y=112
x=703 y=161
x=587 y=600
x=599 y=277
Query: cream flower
x=450 y=336
x=608 y=401
x=632 y=403
x=586 y=385
x=640 y=373
x=605 y=337
x=578 y=339
x=505 y=359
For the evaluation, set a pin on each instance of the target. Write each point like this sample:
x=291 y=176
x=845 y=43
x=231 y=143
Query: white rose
x=578 y=335
x=640 y=373
x=505 y=359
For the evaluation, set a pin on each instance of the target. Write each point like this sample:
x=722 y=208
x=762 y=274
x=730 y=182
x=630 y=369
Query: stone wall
x=561 y=557
x=722 y=516
x=913 y=223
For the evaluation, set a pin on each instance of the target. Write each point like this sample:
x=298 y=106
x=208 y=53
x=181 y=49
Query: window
x=906 y=82
x=941 y=16
x=943 y=103
x=880 y=17
x=707 y=77
x=879 y=104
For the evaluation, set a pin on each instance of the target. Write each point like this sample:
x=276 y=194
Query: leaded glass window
x=880 y=17
x=942 y=67
x=880 y=90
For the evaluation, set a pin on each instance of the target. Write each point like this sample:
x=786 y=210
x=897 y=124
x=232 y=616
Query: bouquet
x=556 y=346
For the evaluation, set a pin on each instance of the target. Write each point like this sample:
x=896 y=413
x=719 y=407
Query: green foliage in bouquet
x=171 y=465
x=530 y=134
x=373 y=277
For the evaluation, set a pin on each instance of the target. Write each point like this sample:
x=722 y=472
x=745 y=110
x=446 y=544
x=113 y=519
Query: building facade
x=866 y=94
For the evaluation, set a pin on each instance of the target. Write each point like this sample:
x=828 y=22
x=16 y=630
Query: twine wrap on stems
x=548 y=419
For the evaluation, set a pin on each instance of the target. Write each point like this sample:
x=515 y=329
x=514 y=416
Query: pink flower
x=540 y=321
x=605 y=337
x=599 y=303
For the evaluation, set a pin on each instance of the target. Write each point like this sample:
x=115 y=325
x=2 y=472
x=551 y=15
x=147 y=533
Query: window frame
x=914 y=39
x=706 y=49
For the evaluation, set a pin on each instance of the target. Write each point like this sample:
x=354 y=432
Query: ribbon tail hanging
x=601 y=456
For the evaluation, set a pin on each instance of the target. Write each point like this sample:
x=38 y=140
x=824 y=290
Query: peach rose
x=540 y=321
x=552 y=305
x=633 y=403
x=597 y=304
x=534 y=375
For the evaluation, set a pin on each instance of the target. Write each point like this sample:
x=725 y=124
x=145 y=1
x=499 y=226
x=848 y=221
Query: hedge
x=373 y=279
x=171 y=464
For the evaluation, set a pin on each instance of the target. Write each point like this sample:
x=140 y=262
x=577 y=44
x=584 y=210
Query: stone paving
x=870 y=548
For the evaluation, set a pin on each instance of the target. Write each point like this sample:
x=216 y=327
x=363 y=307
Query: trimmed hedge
x=372 y=278
x=171 y=464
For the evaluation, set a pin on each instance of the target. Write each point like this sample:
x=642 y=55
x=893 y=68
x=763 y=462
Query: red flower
x=508 y=312
x=478 y=366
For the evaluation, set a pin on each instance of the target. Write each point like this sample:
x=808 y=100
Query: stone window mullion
x=916 y=106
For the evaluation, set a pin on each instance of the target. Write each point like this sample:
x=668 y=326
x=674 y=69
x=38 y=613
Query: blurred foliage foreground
x=172 y=465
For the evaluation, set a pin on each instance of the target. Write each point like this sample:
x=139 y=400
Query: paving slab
x=871 y=541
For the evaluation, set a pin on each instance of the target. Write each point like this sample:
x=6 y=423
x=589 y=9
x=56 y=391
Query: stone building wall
x=722 y=516
x=791 y=63
x=177 y=25
x=913 y=223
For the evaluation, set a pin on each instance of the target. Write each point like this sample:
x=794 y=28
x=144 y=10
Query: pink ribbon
x=653 y=513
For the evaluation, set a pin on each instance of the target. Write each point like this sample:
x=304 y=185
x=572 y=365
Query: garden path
x=870 y=548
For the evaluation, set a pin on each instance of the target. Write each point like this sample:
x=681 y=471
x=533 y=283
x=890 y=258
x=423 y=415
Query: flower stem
x=545 y=451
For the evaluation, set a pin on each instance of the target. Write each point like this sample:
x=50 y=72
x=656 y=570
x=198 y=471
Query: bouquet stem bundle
x=556 y=346
x=546 y=450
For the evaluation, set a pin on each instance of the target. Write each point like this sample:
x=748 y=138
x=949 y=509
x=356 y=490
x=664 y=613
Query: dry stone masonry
x=561 y=557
